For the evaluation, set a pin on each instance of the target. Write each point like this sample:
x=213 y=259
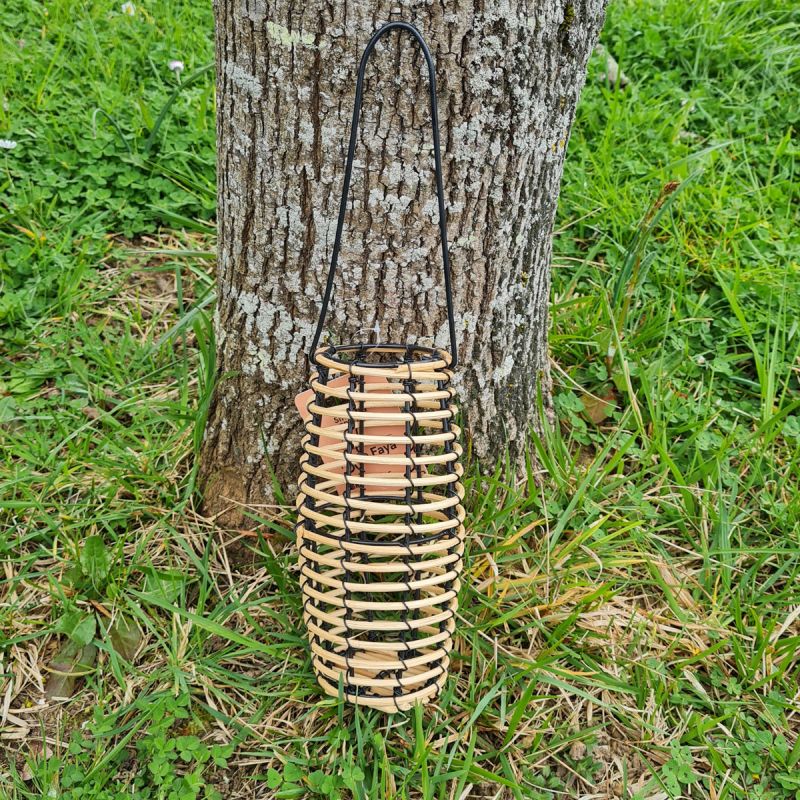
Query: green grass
x=630 y=623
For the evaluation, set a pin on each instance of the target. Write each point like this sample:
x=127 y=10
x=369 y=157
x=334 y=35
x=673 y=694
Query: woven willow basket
x=380 y=527
x=381 y=532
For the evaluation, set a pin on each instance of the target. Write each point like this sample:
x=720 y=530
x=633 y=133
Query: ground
x=629 y=622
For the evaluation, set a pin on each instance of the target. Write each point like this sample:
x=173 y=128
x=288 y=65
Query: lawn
x=630 y=621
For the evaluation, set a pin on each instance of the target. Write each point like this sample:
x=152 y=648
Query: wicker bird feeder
x=380 y=529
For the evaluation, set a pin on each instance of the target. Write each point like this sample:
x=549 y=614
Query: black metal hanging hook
x=390 y=26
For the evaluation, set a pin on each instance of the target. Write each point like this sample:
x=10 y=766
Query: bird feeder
x=380 y=529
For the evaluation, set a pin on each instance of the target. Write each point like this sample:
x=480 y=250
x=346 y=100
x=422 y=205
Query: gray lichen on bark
x=509 y=76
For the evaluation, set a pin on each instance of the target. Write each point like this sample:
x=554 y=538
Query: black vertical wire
x=410 y=387
x=348 y=487
x=452 y=511
x=362 y=493
x=314 y=460
x=407 y=498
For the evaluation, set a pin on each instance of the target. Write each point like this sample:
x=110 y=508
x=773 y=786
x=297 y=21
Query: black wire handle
x=389 y=26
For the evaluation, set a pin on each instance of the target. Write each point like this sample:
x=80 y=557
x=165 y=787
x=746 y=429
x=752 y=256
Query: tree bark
x=509 y=76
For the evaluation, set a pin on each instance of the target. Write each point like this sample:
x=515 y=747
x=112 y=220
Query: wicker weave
x=380 y=530
x=380 y=526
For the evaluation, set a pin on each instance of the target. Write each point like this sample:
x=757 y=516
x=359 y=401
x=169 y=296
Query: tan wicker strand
x=380 y=531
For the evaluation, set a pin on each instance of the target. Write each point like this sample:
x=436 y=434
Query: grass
x=629 y=627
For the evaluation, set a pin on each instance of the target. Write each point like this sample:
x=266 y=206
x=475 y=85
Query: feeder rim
x=425 y=355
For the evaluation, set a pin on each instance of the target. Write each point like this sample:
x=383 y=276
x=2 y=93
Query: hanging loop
x=390 y=26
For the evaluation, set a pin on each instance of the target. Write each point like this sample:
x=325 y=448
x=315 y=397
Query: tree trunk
x=509 y=76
